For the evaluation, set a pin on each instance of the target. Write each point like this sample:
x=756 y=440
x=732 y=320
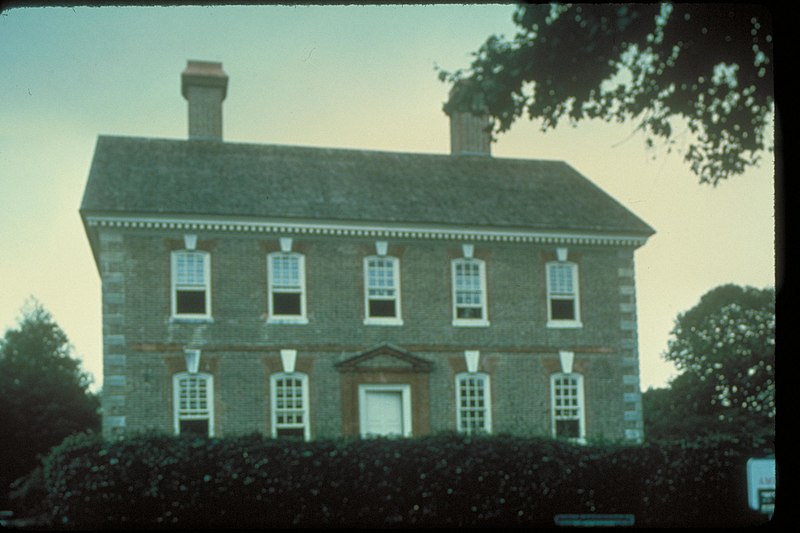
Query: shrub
x=447 y=480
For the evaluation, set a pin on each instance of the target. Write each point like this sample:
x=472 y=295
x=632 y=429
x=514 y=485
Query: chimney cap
x=204 y=74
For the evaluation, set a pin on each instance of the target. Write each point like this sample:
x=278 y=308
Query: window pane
x=381 y=287
x=568 y=429
x=190 y=302
x=193 y=427
x=464 y=297
x=190 y=268
x=286 y=271
x=289 y=407
x=286 y=304
x=381 y=308
x=382 y=293
x=193 y=409
x=562 y=309
x=193 y=397
x=296 y=433
x=566 y=405
x=561 y=279
x=468 y=291
x=469 y=312
x=380 y=273
x=472 y=407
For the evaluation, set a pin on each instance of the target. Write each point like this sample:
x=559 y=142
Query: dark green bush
x=701 y=482
x=447 y=480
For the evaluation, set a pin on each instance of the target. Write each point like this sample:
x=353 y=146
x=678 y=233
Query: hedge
x=153 y=481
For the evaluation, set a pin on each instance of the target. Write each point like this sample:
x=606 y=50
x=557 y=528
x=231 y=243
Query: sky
x=328 y=76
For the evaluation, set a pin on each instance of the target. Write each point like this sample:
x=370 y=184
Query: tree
x=44 y=394
x=727 y=341
x=681 y=410
x=725 y=348
x=701 y=68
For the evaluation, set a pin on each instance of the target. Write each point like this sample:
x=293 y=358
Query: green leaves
x=44 y=394
x=725 y=348
x=655 y=65
x=253 y=481
x=728 y=341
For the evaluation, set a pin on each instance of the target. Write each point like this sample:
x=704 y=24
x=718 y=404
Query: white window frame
x=405 y=392
x=473 y=322
x=383 y=320
x=578 y=397
x=189 y=413
x=177 y=286
x=574 y=322
x=274 y=318
x=463 y=413
x=304 y=409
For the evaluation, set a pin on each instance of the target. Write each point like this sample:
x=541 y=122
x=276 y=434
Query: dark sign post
x=761 y=485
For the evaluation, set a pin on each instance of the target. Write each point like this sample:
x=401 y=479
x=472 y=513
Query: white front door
x=385 y=410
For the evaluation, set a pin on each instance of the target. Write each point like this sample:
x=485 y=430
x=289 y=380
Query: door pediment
x=385 y=357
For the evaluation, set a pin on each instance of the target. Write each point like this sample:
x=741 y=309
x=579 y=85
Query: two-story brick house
x=327 y=292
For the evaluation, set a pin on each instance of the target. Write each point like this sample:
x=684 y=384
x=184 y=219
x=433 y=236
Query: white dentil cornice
x=359 y=229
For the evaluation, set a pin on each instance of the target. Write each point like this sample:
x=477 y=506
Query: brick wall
x=143 y=345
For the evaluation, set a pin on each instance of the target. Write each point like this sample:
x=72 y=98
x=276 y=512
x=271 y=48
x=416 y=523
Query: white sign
x=761 y=484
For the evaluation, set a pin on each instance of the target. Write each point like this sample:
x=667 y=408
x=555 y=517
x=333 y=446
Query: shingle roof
x=179 y=177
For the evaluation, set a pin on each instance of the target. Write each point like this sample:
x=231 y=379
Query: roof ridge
x=336 y=149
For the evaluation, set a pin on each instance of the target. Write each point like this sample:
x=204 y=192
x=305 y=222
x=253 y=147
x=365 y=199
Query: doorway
x=385 y=410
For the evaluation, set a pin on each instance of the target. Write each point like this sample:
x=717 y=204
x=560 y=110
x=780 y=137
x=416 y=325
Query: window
x=469 y=293
x=473 y=403
x=191 y=295
x=382 y=290
x=286 y=278
x=562 y=295
x=193 y=404
x=566 y=392
x=290 y=405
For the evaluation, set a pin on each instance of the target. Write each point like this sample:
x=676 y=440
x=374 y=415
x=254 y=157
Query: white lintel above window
x=468 y=250
x=566 y=359
x=192 y=360
x=561 y=254
x=288 y=359
x=381 y=248
x=472 y=358
x=190 y=241
x=286 y=244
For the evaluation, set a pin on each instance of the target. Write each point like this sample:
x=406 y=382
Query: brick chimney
x=204 y=85
x=469 y=134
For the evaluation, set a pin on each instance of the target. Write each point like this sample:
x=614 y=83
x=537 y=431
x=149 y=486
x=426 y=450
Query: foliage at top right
x=699 y=74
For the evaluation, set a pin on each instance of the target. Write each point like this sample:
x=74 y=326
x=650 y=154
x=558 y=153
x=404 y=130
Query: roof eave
x=360 y=228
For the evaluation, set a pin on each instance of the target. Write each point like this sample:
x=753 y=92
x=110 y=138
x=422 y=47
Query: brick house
x=327 y=292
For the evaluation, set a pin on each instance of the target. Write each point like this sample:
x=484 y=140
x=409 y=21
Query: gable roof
x=179 y=177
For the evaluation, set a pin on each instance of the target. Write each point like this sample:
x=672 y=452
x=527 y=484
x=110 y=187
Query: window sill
x=374 y=321
x=565 y=324
x=295 y=320
x=476 y=323
x=186 y=319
